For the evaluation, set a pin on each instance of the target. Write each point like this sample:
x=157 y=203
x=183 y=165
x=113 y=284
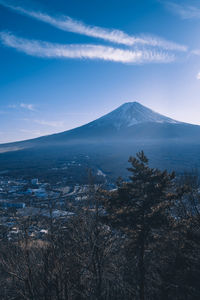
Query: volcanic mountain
x=108 y=141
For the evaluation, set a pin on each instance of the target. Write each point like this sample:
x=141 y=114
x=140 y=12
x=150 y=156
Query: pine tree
x=140 y=208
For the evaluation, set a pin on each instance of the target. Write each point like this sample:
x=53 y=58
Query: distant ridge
x=105 y=144
x=131 y=120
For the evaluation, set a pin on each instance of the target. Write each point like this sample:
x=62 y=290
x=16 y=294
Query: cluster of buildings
x=30 y=198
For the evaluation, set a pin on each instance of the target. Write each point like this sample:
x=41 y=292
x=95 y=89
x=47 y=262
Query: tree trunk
x=141 y=263
x=142 y=272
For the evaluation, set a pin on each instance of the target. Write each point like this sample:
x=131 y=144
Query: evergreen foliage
x=141 y=209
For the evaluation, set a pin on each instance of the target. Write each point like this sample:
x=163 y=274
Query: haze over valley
x=105 y=144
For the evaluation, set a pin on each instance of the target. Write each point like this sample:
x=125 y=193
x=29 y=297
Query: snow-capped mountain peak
x=132 y=113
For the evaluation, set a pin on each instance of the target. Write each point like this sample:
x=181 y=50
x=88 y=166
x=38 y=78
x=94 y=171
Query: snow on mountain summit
x=132 y=113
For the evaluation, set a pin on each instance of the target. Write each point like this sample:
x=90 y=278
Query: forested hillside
x=139 y=241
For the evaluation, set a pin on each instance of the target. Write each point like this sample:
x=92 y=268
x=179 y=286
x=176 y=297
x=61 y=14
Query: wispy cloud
x=112 y=35
x=32 y=132
x=196 y=52
x=154 y=41
x=50 y=123
x=83 y=51
x=198 y=76
x=27 y=106
x=185 y=11
x=45 y=122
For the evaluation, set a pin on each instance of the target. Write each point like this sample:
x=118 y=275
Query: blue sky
x=65 y=63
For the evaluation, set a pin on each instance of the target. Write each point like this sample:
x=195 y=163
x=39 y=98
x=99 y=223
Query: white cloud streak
x=66 y=23
x=196 y=52
x=50 y=123
x=83 y=51
x=32 y=132
x=184 y=11
x=45 y=123
x=27 y=106
x=198 y=76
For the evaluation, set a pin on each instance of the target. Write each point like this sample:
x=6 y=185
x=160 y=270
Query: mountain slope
x=106 y=144
x=132 y=113
x=130 y=120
